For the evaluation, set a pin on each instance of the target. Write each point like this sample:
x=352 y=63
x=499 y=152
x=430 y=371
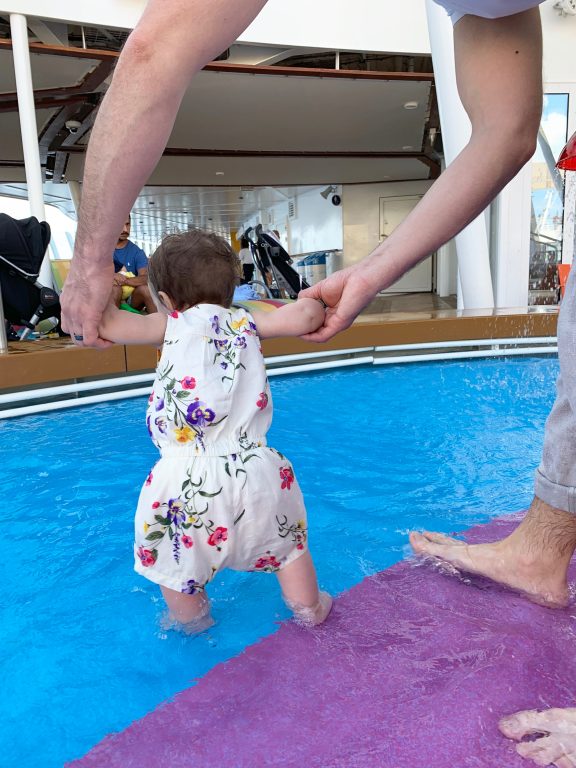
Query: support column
x=472 y=242
x=75 y=193
x=29 y=130
x=569 y=239
x=511 y=241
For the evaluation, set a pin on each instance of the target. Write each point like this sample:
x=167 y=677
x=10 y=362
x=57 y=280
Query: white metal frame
x=283 y=365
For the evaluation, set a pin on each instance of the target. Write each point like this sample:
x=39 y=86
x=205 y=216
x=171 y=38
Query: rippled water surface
x=378 y=451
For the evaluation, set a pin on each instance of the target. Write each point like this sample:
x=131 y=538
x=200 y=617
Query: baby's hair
x=194 y=267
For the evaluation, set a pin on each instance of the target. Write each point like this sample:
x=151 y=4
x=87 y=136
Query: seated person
x=131 y=274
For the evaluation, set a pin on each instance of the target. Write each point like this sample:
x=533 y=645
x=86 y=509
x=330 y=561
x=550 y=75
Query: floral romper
x=218 y=497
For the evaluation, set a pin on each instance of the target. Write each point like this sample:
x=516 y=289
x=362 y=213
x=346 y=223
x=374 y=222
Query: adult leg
x=141 y=297
x=558 y=744
x=300 y=591
x=536 y=556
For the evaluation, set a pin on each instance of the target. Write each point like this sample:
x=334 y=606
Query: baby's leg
x=300 y=590
x=191 y=612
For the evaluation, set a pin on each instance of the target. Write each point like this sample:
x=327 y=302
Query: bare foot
x=558 y=744
x=317 y=614
x=533 y=560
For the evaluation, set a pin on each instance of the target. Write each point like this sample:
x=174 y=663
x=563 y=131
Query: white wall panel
x=365 y=25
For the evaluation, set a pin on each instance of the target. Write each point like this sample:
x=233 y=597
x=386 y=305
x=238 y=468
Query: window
x=547 y=202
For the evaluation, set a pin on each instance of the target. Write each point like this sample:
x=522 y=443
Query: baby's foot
x=195 y=626
x=311 y=616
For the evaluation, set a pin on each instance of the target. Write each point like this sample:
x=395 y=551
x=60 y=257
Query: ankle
x=311 y=616
x=545 y=539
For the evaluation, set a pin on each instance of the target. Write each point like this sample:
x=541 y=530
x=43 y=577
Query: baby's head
x=193 y=267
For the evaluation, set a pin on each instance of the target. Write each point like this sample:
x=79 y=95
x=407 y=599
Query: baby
x=219 y=496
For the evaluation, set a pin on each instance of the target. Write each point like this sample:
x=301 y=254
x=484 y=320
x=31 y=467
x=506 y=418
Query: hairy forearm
x=121 y=155
x=461 y=193
x=134 y=282
x=174 y=40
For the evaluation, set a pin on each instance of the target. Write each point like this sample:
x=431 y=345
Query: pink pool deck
x=413 y=668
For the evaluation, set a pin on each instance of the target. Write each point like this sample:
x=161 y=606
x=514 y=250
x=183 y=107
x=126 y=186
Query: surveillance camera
x=73 y=126
x=335 y=199
x=566 y=7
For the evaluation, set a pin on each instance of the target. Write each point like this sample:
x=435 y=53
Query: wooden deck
x=35 y=363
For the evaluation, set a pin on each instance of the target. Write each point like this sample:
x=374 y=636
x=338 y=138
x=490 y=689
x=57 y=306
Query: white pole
x=3 y=336
x=472 y=242
x=75 y=194
x=28 y=128
x=512 y=241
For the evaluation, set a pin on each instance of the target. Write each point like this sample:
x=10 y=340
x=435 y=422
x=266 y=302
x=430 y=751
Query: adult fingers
x=89 y=337
x=333 y=324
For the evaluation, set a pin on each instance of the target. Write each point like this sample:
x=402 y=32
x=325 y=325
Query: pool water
x=377 y=451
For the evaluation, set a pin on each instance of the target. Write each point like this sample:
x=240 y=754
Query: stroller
x=23 y=244
x=270 y=257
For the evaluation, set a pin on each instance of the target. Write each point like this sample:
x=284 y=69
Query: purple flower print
x=223 y=366
x=215 y=324
x=240 y=341
x=161 y=424
x=176 y=547
x=199 y=415
x=221 y=343
x=190 y=587
x=148 y=425
x=175 y=512
x=160 y=404
x=253 y=327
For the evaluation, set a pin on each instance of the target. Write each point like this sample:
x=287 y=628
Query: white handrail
x=314 y=355
x=494 y=348
x=65 y=389
x=463 y=355
x=467 y=343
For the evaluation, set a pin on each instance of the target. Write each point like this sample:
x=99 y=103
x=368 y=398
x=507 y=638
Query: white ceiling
x=230 y=112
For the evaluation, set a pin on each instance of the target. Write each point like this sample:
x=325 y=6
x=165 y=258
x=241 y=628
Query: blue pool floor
x=377 y=452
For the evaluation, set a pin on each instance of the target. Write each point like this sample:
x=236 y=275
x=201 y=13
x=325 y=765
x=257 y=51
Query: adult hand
x=120 y=279
x=83 y=301
x=345 y=294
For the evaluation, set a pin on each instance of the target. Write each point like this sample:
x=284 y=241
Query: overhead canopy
x=364 y=25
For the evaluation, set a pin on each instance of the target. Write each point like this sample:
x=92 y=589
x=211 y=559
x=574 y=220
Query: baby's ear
x=166 y=301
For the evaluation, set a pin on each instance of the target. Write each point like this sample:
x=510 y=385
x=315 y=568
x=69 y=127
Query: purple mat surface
x=413 y=668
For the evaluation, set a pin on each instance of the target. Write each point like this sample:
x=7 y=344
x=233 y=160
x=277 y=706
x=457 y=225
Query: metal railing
x=123 y=387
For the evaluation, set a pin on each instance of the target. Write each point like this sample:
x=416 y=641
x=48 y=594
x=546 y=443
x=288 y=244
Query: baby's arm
x=303 y=316
x=123 y=327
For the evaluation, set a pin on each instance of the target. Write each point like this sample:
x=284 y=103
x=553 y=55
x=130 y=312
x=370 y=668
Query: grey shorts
x=556 y=475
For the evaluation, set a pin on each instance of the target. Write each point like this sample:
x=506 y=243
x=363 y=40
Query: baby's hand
x=313 y=312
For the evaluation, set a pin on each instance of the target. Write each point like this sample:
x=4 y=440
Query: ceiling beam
x=430 y=163
x=46 y=98
x=60 y=163
x=185 y=152
x=247 y=69
x=48 y=32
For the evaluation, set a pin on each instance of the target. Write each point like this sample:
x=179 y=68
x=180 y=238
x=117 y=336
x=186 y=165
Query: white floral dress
x=218 y=497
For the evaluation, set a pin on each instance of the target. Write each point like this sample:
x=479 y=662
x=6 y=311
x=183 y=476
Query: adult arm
x=499 y=73
x=297 y=319
x=140 y=279
x=173 y=40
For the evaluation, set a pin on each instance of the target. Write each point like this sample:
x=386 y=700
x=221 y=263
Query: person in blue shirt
x=131 y=274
